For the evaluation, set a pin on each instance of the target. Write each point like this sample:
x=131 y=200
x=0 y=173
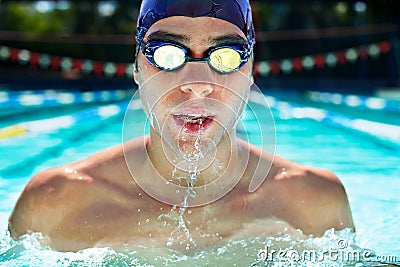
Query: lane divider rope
x=387 y=133
x=64 y=122
x=379 y=130
x=354 y=101
x=50 y=98
x=96 y=117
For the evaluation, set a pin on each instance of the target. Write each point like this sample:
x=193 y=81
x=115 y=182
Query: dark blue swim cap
x=237 y=12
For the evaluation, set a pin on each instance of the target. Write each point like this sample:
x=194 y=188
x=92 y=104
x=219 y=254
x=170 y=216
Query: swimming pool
x=368 y=166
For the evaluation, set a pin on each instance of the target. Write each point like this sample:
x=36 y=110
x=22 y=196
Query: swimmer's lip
x=203 y=118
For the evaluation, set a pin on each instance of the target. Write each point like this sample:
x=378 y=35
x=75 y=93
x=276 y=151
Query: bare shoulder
x=52 y=199
x=302 y=175
x=42 y=202
x=315 y=195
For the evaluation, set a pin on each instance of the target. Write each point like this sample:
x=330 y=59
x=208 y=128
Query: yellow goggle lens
x=225 y=59
x=169 y=56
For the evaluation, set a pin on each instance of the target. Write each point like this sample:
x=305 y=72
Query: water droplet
x=138 y=223
x=161 y=208
x=147 y=220
x=189 y=212
x=177 y=190
x=68 y=170
x=138 y=210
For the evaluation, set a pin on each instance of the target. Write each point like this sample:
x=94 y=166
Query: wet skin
x=96 y=202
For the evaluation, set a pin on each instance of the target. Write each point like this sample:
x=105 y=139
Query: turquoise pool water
x=368 y=169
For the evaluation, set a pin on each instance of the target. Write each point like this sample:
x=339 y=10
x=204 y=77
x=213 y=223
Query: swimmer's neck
x=227 y=153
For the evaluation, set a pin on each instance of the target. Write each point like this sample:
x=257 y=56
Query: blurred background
x=350 y=46
x=329 y=71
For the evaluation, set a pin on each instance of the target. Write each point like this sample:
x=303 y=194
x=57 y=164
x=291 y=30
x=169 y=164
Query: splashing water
x=190 y=159
x=182 y=226
x=244 y=252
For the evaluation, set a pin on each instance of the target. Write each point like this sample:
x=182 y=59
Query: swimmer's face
x=191 y=109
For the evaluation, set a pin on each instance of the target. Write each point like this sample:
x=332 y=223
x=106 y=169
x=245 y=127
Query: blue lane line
x=354 y=101
x=94 y=117
x=48 y=98
x=67 y=121
x=384 y=133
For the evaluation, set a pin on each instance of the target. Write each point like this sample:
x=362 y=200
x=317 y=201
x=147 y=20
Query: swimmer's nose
x=199 y=90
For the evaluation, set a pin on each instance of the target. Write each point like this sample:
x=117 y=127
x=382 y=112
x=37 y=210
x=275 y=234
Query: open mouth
x=193 y=122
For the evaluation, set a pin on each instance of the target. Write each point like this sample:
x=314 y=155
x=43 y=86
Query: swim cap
x=237 y=12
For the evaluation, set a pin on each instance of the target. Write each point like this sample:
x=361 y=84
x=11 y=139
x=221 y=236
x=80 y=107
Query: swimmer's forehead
x=185 y=29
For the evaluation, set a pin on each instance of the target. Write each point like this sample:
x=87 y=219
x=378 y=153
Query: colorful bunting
x=44 y=61
x=308 y=62
x=363 y=52
x=4 y=53
x=341 y=57
x=14 y=55
x=286 y=66
x=319 y=61
x=262 y=68
x=55 y=62
x=34 y=59
x=331 y=60
x=373 y=51
x=98 y=68
x=275 y=67
x=120 y=70
x=297 y=64
x=66 y=64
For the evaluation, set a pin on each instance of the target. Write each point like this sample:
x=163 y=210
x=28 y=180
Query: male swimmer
x=115 y=198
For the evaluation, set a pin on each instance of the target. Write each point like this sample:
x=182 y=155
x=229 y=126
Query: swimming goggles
x=170 y=56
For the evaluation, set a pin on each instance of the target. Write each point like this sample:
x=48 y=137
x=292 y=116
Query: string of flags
x=320 y=61
x=262 y=68
x=65 y=64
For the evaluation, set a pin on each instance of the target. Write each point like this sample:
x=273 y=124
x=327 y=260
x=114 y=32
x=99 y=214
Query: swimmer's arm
x=312 y=200
x=31 y=212
x=326 y=203
x=45 y=206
